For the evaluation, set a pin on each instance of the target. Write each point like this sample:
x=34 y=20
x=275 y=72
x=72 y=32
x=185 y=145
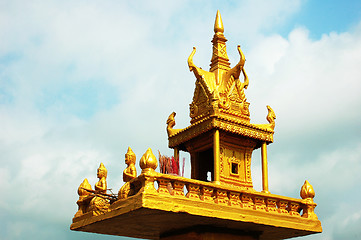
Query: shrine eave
x=242 y=128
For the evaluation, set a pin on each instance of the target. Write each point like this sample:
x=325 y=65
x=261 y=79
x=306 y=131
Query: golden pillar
x=176 y=153
x=264 y=167
x=216 y=159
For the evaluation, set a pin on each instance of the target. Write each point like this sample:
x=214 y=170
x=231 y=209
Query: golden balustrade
x=195 y=190
x=155 y=198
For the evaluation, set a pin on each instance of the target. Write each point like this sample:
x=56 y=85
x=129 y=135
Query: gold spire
x=218 y=24
x=219 y=59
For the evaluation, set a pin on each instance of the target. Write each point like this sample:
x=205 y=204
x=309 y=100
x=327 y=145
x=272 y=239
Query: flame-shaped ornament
x=307 y=191
x=84 y=186
x=148 y=162
x=307 y=194
x=83 y=193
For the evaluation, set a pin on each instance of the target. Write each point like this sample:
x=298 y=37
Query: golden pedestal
x=153 y=211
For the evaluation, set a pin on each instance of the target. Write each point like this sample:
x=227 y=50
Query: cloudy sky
x=80 y=81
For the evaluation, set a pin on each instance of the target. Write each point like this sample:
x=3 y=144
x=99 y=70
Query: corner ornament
x=170 y=124
x=148 y=163
x=307 y=194
x=83 y=192
x=95 y=201
x=271 y=116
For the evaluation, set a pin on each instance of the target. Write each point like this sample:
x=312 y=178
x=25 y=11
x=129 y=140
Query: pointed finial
x=218 y=24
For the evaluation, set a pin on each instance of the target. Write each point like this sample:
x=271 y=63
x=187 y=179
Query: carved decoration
x=225 y=123
x=307 y=194
x=99 y=203
x=307 y=191
x=247 y=201
x=271 y=205
x=221 y=86
x=221 y=157
x=247 y=157
x=83 y=192
x=235 y=166
x=163 y=187
x=293 y=208
x=148 y=162
x=234 y=199
x=282 y=205
x=170 y=124
x=259 y=203
x=193 y=191
x=271 y=116
x=221 y=197
x=128 y=174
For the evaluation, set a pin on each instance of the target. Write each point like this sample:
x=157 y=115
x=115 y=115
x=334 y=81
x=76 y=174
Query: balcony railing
x=150 y=182
x=180 y=187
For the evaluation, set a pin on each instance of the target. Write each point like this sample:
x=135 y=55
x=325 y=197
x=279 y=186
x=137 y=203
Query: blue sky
x=81 y=81
x=323 y=17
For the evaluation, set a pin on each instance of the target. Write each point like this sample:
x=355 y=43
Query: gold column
x=216 y=158
x=264 y=168
x=176 y=153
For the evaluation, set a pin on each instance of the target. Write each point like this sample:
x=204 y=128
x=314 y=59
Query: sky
x=80 y=81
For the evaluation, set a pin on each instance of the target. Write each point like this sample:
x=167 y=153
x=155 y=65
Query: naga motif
x=271 y=116
x=170 y=124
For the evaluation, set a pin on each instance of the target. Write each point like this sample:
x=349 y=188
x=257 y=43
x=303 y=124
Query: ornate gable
x=221 y=86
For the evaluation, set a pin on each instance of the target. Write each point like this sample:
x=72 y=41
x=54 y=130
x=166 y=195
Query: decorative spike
x=218 y=24
x=219 y=59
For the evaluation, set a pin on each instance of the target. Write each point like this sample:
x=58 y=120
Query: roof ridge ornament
x=220 y=60
x=220 y=88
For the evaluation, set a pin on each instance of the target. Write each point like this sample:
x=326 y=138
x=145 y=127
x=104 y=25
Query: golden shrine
x=219 y=201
